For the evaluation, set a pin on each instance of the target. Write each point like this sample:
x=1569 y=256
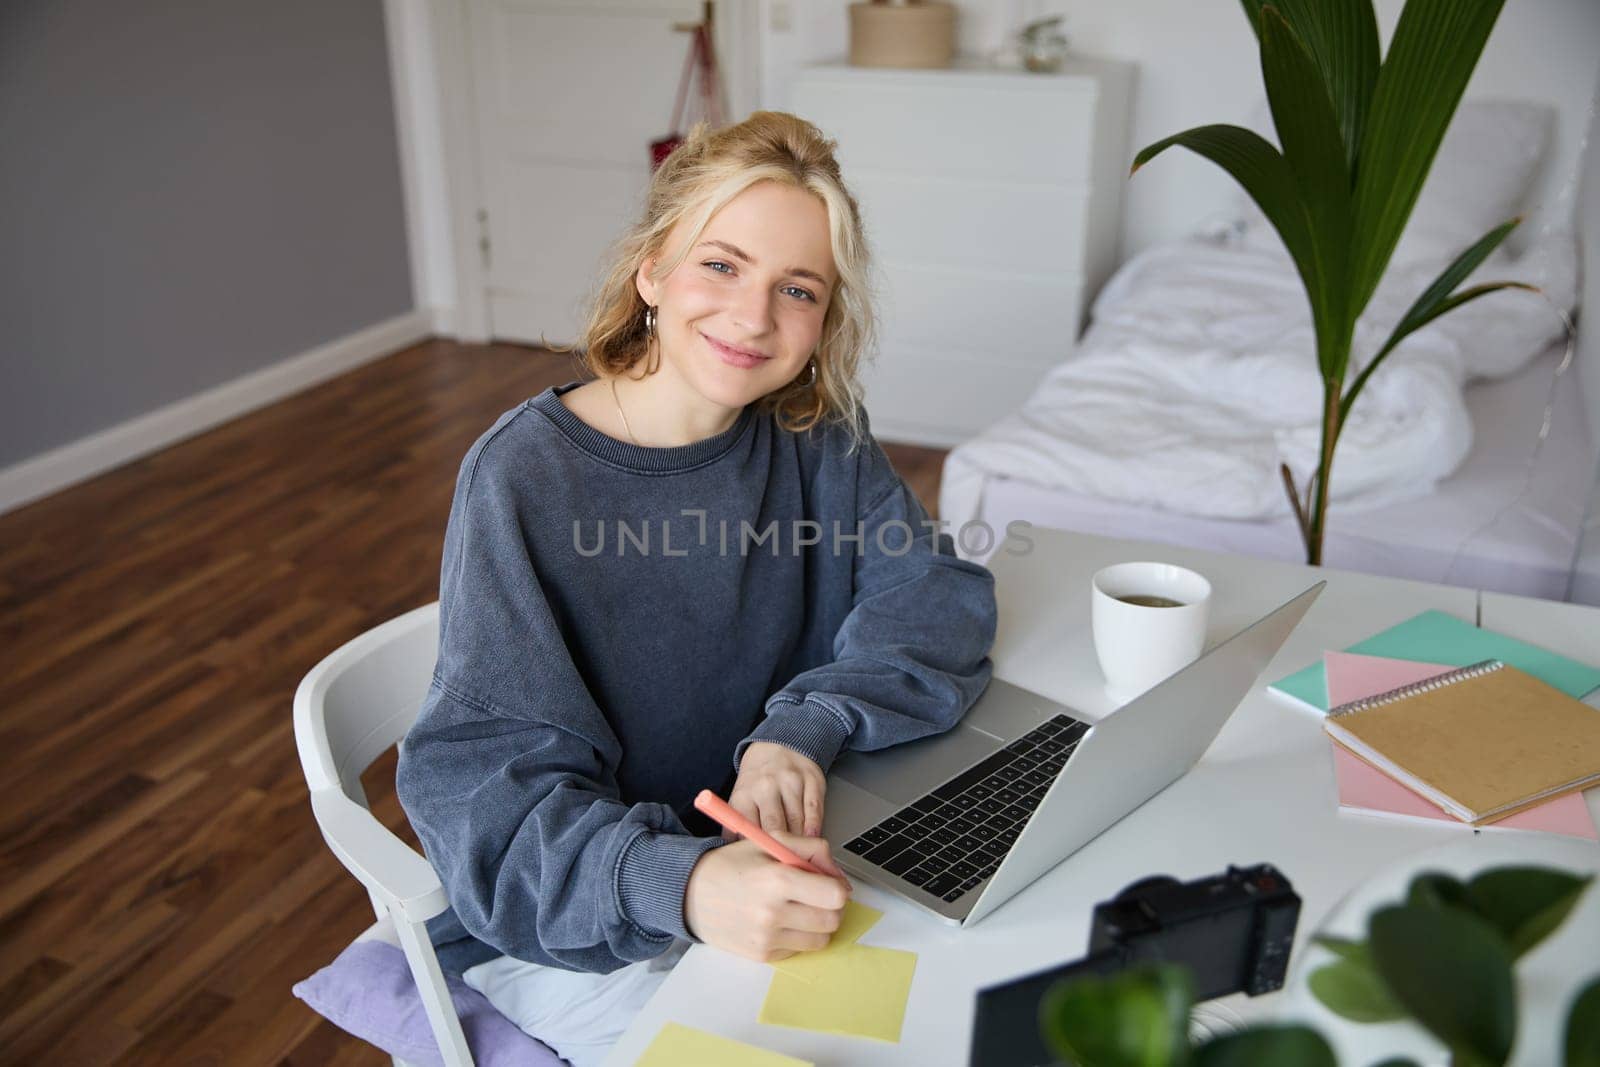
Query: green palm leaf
x=1309 y=131
x=1265 y=175
x=1436 y=300
x=1342 y=39
x=1435 y=46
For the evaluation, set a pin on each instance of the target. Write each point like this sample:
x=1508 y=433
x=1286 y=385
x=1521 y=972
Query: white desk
x=1263 y=792
x=1570 y=629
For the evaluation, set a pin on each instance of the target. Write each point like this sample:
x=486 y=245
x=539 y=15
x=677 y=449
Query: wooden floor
x=164 y=883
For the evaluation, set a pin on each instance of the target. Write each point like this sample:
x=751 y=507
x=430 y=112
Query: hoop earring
x=811 y=381
x=649 y=336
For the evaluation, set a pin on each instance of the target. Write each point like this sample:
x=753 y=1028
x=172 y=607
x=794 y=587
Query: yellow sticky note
x=854 y=989
x=856 y=920
x=683 y=1046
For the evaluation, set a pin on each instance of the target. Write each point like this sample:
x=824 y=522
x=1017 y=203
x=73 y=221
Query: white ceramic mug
x=1140 y=645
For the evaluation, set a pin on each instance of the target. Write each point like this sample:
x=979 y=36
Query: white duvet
x=1198 y=378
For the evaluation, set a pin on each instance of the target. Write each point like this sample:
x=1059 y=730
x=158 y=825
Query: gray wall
x=189 y=191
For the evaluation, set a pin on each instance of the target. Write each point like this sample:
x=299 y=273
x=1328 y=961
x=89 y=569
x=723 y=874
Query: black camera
x=1232 y=930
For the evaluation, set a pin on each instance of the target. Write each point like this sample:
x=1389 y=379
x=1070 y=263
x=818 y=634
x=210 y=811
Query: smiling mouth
x=735 y=349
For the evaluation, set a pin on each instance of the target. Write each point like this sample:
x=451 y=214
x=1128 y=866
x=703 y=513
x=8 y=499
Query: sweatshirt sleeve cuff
x=652 y=877
x=809 y=727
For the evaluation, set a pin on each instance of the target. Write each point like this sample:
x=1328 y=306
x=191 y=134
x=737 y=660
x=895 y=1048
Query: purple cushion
x=369 y=992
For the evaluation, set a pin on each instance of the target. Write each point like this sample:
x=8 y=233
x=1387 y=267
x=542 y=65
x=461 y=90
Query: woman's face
x=741 y=315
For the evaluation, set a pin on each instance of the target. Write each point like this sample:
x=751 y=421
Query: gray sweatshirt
x=617 y=623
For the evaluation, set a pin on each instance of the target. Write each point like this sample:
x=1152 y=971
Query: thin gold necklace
x=624 y=415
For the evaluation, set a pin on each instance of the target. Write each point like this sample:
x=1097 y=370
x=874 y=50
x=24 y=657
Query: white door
x=568 y=98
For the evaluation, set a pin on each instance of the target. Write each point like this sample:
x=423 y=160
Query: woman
x=695 y=571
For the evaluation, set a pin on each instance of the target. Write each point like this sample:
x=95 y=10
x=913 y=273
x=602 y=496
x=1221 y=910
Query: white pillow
x=1480 y=177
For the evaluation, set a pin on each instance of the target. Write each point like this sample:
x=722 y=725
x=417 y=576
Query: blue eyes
x=715 y=263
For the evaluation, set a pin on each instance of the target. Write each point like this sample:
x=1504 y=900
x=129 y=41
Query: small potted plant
x=1043 y=45
x=1442 y=957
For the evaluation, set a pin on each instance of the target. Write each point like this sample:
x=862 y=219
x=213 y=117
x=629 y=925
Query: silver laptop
x=961 y=822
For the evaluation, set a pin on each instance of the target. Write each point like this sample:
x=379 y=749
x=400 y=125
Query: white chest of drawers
x=992 y=203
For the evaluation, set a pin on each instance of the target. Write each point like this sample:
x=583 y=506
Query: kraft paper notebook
x=1482 y=742
x=1436 y=637
x=1365 y=790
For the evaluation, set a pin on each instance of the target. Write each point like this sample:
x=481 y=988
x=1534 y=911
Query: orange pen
x=730 y=819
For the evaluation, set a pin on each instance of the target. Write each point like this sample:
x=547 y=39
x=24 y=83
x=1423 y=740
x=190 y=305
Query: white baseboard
x=83 y=459
x=443 y=319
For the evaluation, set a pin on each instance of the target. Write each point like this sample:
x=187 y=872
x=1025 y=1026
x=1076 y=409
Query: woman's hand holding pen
x=742 y=900
x=778 y=789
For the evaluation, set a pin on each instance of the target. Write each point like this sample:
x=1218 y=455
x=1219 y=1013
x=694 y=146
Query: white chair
x=349 y=710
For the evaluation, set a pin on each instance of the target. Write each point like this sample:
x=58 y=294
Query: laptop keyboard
x=955 y=837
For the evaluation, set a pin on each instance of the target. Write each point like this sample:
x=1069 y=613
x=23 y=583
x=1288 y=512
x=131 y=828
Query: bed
x=1507 y=519
x=1468 y=460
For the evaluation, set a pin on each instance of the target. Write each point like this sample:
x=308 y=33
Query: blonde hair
x=708 y=170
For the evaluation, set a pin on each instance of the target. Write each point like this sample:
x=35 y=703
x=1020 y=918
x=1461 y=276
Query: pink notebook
x=1365 y=789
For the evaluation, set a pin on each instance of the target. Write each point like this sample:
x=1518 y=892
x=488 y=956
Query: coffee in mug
x=1145 y=600
x=1149 y=622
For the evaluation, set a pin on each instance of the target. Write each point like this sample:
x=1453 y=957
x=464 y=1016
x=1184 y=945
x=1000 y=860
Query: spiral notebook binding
x=1461 y=674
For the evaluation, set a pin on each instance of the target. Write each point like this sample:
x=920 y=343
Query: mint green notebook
x=1434 y=637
